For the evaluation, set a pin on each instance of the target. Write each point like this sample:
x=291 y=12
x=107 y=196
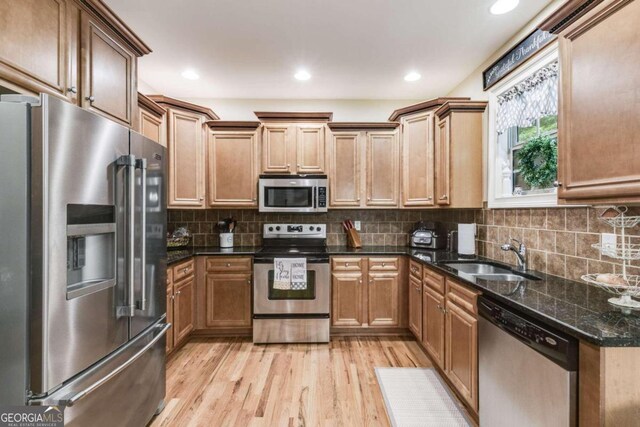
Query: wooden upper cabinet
x=151 y=120
x=458 y=154
x=232 y=168
x=345 y=165
x=382 y=169
x=186 y=159
x=310 y=148
x=108 y=73
x=38 y=46
x=443 y=161
x=278 y=149
x=599 y=123
x=417 y=160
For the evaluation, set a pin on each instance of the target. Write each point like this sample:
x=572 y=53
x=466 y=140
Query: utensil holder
x=353 y=239
x=226 y=240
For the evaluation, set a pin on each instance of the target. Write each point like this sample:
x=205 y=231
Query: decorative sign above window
x=516 y=56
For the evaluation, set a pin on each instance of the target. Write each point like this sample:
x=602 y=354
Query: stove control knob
x=278 y=228
x=311 y=228
x=270 y=228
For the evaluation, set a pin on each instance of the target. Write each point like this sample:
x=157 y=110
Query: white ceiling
x=354 y=49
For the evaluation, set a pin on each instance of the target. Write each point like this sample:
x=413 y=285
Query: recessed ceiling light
x=503 y=6
x=302 y=75
x=190 y=74
x=412 y=77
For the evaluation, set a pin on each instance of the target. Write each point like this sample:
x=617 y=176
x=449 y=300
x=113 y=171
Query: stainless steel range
x=292 y=314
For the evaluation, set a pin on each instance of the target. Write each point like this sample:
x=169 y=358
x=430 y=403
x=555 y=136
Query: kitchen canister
x=226 y=240
x=467 y=239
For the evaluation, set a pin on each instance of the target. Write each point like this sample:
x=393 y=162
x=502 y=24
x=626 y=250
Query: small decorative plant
x=538 y=161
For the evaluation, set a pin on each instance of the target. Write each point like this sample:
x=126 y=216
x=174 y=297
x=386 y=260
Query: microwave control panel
x=322 y=197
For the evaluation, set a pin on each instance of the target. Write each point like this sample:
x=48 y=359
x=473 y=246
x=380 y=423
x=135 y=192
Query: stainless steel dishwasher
x=527 y=370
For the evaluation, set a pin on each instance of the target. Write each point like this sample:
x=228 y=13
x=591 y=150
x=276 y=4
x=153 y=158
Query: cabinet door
x=310 y=148
x=38 y=46
x=417 y=160
x=344 y=170
x=170 y=319
x=347 y=299
x=599 y=126
x=233 y=169
x=415 y=306
x=383 y=299
x=108 y=70
x=152 y=126
x=183 y=309
x=228 y=300
x=186 y=159
x=278 y=151
x=433 y=325
x=382 y=169
x=443 y=143
x=462 y=352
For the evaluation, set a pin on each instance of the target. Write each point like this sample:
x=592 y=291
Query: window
x=523 y=112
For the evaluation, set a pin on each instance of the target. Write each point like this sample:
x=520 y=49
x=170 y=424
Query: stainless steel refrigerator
x=82 y=264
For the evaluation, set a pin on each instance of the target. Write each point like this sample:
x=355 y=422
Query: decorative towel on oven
x=290 y=274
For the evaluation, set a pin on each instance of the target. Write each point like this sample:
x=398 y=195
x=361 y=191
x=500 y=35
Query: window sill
x=547 y=200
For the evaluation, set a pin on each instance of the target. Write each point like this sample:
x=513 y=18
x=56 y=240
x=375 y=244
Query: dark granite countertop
x=579 y=309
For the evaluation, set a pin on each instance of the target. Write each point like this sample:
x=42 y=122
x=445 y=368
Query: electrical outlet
x=357 y=225
x=608 y=240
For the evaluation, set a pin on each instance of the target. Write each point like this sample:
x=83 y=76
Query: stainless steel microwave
x=293 y=193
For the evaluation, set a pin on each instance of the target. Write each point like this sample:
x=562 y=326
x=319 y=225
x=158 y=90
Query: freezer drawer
x=126 y=389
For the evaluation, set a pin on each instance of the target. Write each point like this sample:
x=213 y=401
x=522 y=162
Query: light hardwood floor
x=230 y=381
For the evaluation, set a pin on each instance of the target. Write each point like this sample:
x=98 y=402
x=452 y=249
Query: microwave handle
x=315 y=197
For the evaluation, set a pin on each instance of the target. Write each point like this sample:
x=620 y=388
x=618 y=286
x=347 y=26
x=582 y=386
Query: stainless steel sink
x=486 y=271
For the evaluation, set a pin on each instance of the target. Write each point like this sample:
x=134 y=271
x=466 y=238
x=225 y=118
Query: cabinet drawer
x=384 y=264
x=229 y=264
x=462 y=296
x=347 y=264
x=416 y=269
x=183 y=270
x=169 y=276
x=434 y=280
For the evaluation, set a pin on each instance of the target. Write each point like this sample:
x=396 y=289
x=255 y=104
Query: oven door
x=315 y=299
x=288 y=194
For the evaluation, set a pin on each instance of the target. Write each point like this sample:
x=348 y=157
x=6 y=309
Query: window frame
x=495 y=199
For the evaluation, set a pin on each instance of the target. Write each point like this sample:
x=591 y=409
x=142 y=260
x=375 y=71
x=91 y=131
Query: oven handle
x=310 y=260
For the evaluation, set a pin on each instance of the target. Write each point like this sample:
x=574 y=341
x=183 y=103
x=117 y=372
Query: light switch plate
x=357 y=225
x=608 y=240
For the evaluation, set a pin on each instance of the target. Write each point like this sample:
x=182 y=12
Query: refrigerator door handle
x=129 y=163
x=142 y=165
x=74 y=398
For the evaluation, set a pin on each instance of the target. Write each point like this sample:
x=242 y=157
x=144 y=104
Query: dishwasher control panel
x=555 y=345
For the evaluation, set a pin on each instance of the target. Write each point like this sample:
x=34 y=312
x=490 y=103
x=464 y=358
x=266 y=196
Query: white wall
x=343 y=109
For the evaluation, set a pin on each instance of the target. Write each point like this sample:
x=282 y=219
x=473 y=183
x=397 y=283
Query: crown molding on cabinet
x=293 y=116
x=233 y=125
x=362 y=125
x=567 y=14
x=425 y=105
x=177 y=103
x=113 y=21
x=456 y=106
x=151 y=105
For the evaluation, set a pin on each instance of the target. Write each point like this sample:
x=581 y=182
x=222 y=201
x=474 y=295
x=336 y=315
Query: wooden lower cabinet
x=366 y=292
x=169 y=336
x=433 y=325
x=347 y=295
x=228 y=297
x=462 y=352
x=183 y=309
x=415 y=307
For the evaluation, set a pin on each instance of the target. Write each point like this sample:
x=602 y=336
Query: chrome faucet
x=520 y=251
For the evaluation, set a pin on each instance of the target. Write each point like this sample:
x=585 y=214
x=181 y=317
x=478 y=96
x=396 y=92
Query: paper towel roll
x=467 y=239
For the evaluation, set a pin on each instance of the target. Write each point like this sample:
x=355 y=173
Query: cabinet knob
x=288 y=166
x=201 y=199
x=186 y=270
x=249 y=281
x=383 y=264
x=178 y=292
x=228 y=265
x=429 y=198
x=254 y=199
x=72 y=89
x=369 y=198
x=90 y=98
x=359 y=280
x=444 y=197
x=298 y=165
x=557 y=184
x=346 y=264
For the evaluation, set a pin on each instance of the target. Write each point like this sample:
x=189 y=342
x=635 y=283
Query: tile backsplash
x=378 y=227
x=558 y=239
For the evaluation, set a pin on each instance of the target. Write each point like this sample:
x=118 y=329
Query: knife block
x=353 y=238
